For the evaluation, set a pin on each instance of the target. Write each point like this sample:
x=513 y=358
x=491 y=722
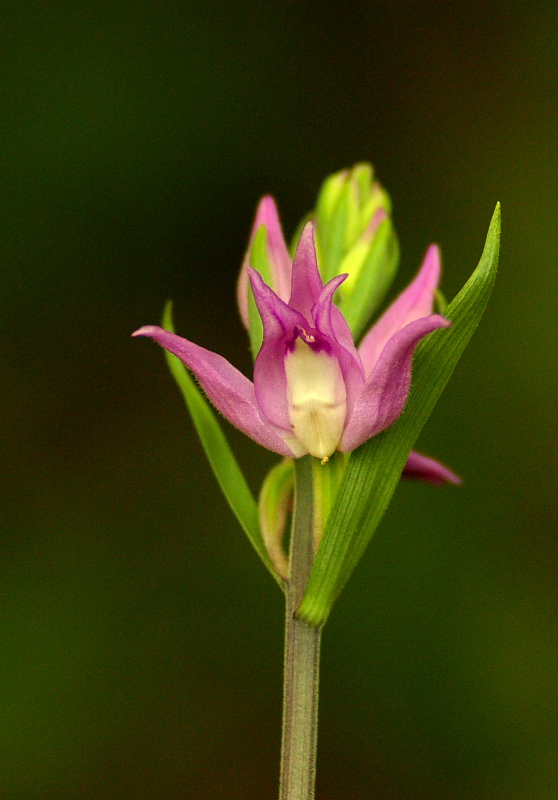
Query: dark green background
x=141 y=640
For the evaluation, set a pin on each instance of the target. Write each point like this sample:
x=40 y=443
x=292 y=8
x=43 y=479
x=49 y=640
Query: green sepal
x=259 y=261
x=224 y=464
x=273 y=506
x=328 y=196
x=378 y=198
x=334 y=234
x=363 y=174
x=364 y=294
x=374 y=468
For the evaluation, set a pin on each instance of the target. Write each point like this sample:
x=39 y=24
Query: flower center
x=316 y=396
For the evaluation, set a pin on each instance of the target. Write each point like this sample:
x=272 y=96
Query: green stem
x=302 y=653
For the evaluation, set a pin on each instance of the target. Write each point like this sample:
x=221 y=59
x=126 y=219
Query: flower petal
x=279 y=258
x=384 y=395
x=322 y=309
x=227 y=388
x=306 y=282
x=415 y=302
x=280 y=323
x=330 y=322
x=422 y=468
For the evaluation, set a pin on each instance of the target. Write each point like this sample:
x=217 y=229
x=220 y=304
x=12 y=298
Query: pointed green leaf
x=374 y=468
x=222 y=460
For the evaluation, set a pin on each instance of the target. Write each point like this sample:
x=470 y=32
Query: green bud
x=363 y=175
x=376 y=258
x=329 y=196
x=354 y=234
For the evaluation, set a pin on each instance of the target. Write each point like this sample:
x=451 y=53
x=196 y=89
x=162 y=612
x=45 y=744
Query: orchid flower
x=313 y=391
x=418 y=466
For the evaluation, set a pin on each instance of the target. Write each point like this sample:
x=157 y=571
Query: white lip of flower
x=317 y=398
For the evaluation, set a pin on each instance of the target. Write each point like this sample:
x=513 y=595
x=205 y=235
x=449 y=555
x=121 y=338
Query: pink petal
x=321 y=313
x=343 y=333
x=415 y=302
x=278 y=318
x=422 y=468
x=279 y=258
x=330 y=322
x=280 y=324
x=306 y=282
x=228 y=389
x=242 y=296
x=336 y=326
x=384 y=395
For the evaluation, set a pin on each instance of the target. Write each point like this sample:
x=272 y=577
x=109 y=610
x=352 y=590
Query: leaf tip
x=496 y=221
x=167 y=321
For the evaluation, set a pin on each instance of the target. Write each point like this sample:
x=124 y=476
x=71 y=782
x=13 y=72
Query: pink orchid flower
x=313 y=391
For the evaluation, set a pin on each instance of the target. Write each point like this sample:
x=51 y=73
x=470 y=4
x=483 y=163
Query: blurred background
x=141 y=639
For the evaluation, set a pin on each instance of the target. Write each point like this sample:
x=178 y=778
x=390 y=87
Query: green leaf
x=374 y=468
x=222 y=460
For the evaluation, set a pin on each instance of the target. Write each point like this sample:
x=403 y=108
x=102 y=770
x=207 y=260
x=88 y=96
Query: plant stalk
x=302 y=652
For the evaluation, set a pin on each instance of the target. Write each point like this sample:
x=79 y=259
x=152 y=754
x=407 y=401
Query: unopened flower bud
x=354 y=235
